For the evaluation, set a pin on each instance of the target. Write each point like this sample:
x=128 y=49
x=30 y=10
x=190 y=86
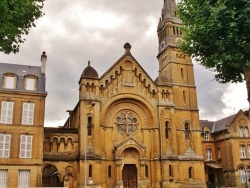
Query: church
x=127 y=130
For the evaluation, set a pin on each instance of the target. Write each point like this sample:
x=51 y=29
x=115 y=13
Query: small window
x=10 y=82
x=246 y=134
x=170 y=170
x=187 y=131
x=218 y=152
x=207 y=136
x=25 y=146
x=146 y=171
x=7 y=112
x=3 y=178
x=30 y=84
x=109 y=171
x=89 y=126
x=242 y=151
x=167 y=129
x=90 y=171
x=242 y=174
x=209 y=154
x=5 y=145
x=184 y=97
x=191 y=173
x=24 y=178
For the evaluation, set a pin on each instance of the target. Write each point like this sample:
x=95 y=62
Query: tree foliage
x=217 y=34
x=16 y=19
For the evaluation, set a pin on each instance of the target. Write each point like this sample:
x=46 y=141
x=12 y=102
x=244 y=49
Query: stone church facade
x=128 y=130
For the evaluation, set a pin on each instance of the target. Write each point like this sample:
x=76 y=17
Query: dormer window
x=30 y=83
x=9 y=81
x=207 y=136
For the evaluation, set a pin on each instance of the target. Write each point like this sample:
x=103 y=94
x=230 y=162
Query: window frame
x=25 y=150
x=243 y=151
x=209 y=154
x=5 y=149
x=5 y=81
x=24 y=178
x=3 y=178
x=207 y=136
x=26 y=86
x=28 y=113
x=7 y=110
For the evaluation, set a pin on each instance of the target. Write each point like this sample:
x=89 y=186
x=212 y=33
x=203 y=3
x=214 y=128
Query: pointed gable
x=128 y=70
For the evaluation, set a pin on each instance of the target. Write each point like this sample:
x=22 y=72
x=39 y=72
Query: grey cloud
x=68 y=51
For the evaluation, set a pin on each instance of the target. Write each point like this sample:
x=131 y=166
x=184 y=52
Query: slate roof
x=21 y=71
x=220 y=125
x=89 y=72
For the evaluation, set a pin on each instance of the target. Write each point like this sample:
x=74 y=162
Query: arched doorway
x=129 y=176
x=50 y=177
x=130 y=171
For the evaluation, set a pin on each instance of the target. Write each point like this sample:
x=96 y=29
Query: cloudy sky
x=73 y=32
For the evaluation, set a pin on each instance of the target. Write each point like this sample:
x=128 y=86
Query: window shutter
x=24 y=179
x=26 y=146
x=31 y=113
x=28 y=113
x=6 y=112
x=5 y=145
x=3 y=178
x=10 y=112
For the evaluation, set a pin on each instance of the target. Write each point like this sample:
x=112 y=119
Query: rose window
x=126 y=123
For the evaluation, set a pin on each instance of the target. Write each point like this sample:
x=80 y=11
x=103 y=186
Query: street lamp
x=85 y=151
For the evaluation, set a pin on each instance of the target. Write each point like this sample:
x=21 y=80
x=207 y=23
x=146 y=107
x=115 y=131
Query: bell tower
x=179 y=116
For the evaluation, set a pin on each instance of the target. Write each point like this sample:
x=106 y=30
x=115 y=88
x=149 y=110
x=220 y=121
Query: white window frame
x=26 y=146
x=5 y=140
x=241 y=131
x=242 y=151
x=209 y=154
x=24 y=179
x=28 y=113
x=207 y=136
x=246 y=133
x=7 y=112
x=10 y=82
x=30 y=84
x=242 y=174
x=3 y=178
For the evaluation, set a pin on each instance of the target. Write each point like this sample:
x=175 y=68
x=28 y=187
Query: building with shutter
x=22 y=107
x=128 y=130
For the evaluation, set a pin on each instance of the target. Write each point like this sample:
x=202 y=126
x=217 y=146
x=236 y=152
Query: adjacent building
x=226 y=150
x=22 y=100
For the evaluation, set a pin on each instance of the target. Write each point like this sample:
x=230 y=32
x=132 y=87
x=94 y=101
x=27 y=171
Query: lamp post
x=85 y=150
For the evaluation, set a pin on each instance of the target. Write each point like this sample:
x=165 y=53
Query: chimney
x=43 y=60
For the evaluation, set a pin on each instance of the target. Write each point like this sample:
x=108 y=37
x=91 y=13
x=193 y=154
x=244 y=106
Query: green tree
x=217 y=35
x=16 y=19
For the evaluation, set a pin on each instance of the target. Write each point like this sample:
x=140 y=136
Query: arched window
x=146 y=171
x=170 y=170
x=89 y=126
x=109 y=171
x=167 y=129
x=184 y=97
x=187 y=131
x=209 y=154
x=191 y=173
x=90 y=171
x=242 y=174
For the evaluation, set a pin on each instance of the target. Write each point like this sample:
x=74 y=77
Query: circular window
x=126 y=123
